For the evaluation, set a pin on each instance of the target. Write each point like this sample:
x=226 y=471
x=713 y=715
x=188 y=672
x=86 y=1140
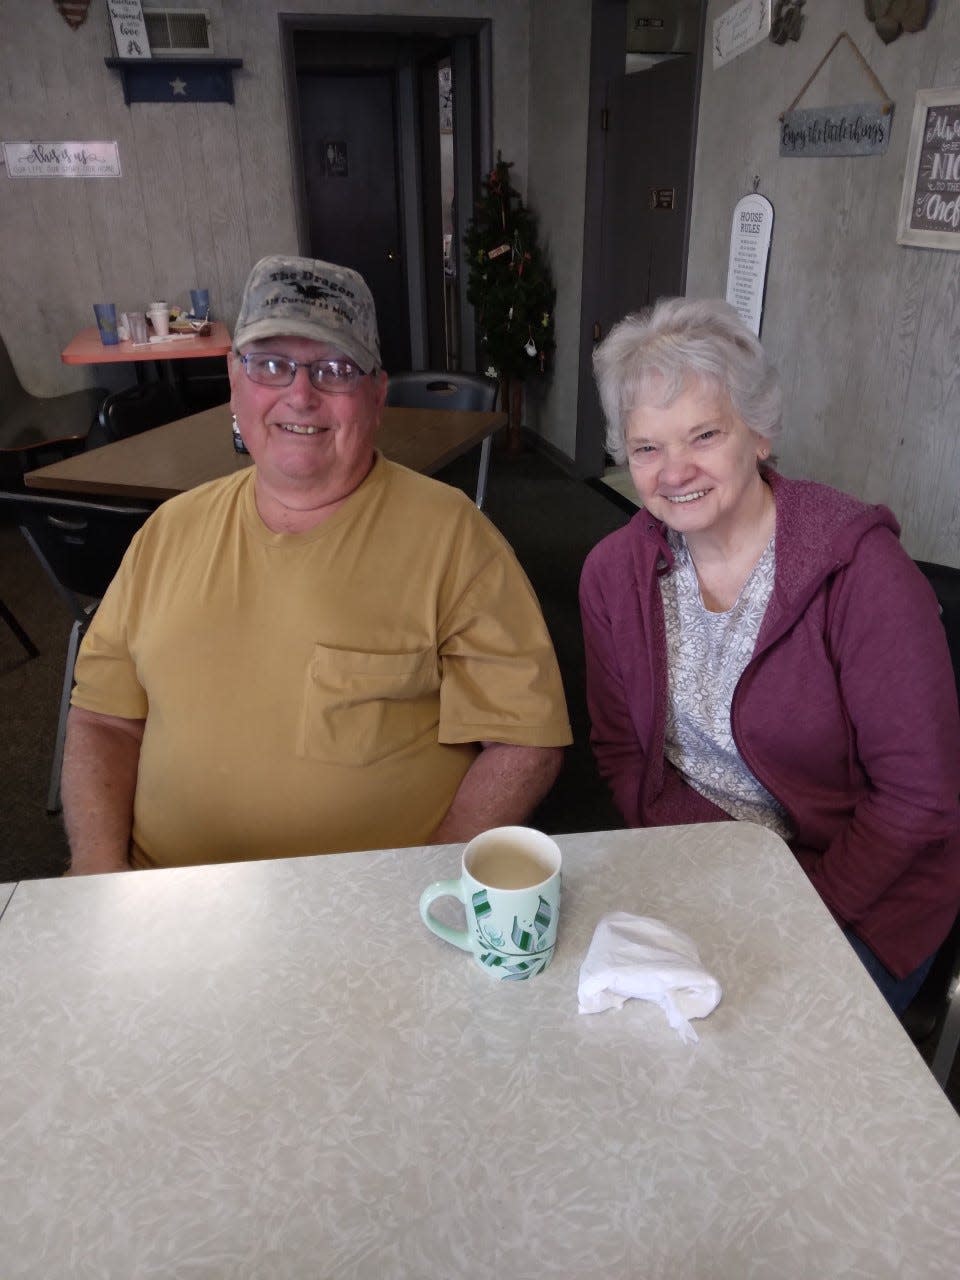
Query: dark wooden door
x=349 y=140
x=646 y=193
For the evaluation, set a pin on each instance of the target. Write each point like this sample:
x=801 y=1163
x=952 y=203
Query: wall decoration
x=854 y=129
x=893 y=17
x=930 y=200
x=129 y=28
x=200 y=79
x=74 y=12
x=787 y=20
x=739 y=28
x=62 y=159
x=445 y=90
x=858 y=129
x=750 y=232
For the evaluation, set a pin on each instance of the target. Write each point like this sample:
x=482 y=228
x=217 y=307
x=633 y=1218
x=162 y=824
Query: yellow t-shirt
x=315 y=692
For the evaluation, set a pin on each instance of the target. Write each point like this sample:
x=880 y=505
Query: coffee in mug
x=510 y=889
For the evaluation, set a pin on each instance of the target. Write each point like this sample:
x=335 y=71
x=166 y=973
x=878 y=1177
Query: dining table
x=85 y=347
x=158 y=464
x=272 y=1069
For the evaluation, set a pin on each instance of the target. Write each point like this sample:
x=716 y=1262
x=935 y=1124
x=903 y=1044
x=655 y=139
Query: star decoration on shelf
x=179 y=87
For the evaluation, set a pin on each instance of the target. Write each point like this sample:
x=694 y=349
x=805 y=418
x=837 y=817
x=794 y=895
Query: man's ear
x=234 y=370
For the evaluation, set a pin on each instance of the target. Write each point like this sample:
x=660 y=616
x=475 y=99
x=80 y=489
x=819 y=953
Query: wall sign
x=930 y=200
x=62 y=159
x=750 y=233
x=739 y=28
x=335 y=160
x=129 y=29
x=862 y=129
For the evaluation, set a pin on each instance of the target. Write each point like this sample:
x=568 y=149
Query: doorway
x=640 y=160
x=348 y=143
x=365 y=115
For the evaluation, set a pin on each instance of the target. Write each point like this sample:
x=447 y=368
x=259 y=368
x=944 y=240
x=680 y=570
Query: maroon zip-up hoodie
x=847 y=711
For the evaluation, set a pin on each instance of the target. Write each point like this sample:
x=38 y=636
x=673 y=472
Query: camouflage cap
x=306 y=298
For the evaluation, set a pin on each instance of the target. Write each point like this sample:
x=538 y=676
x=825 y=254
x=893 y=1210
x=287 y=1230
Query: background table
x=274 y=1070
x=160 y=463
x=86 y=348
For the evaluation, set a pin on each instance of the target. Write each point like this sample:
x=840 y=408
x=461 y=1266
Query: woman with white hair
x=763 y=649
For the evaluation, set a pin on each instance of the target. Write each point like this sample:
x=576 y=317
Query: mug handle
x=444 y=889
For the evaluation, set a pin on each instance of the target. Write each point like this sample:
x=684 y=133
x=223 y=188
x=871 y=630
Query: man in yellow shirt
x=324 y=652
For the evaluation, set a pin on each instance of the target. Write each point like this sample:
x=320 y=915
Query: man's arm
x=101 y=757
x=502 y=787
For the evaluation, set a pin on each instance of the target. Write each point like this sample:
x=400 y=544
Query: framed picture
x=930 y=200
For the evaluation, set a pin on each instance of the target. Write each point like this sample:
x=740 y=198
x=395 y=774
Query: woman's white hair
x=651 y=357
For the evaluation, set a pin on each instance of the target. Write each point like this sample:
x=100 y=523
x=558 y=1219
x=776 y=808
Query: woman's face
x=694 y=462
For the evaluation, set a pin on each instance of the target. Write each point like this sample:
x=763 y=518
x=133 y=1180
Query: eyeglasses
x=336 y=376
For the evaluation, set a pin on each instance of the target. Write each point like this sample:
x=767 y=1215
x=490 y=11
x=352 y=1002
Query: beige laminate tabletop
x=272 y=1070
x=170 y=459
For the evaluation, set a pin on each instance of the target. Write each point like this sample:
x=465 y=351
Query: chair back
x=79 y=544
x=946 y=584
x=933 y=1017
x=432 y=389
x=11 y=389
x=204 y=383
x=135 y=409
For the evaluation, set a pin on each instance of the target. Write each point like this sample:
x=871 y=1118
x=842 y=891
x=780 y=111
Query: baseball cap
x=307 y=298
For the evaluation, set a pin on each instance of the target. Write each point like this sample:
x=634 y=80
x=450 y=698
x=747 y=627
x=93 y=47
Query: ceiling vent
x=183 y=32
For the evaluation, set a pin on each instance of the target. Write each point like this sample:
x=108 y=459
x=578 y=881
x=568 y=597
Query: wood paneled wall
x=206 y=189
x=866 y=332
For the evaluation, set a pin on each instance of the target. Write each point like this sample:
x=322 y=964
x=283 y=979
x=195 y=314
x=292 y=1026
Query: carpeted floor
x=551 y=519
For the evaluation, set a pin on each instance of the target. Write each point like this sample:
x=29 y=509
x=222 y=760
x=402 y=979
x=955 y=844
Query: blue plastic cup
x=200 y=303
x=106 y=313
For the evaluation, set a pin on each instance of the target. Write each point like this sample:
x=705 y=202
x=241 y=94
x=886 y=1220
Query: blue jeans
x=898 y=992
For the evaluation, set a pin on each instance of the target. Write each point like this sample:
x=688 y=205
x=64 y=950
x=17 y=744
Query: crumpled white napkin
x=642 y=958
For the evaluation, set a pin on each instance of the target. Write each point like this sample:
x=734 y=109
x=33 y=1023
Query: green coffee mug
x=510 y=890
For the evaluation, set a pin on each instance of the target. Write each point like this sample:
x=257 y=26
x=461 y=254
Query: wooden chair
x=432 y=389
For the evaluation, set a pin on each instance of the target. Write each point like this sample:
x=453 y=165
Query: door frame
x=470 y=41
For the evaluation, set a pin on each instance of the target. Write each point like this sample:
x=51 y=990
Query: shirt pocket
x=359 y=707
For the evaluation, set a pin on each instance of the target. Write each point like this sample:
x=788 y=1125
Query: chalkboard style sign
x=930 y=200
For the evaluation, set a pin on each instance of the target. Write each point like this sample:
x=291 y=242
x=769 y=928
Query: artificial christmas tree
x=510 y=287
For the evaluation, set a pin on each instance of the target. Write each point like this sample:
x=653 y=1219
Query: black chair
x=202 y=383
x=933 y=1018
x=11 y=620
x=39 y=429
x=80 y=546
x=134 y=409
x=431 y=389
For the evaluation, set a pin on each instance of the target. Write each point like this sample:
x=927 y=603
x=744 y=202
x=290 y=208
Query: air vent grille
x=177 y=31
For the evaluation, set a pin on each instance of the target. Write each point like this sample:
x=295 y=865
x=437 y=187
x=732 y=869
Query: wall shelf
x=176 y=79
